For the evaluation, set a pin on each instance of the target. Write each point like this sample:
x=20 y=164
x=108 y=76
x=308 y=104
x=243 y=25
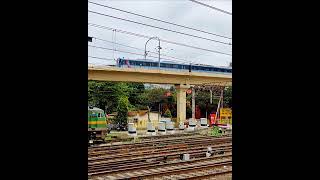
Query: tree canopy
x=123 y=97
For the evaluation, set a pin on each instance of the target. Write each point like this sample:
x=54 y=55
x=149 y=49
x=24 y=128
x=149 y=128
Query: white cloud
x=180 y=12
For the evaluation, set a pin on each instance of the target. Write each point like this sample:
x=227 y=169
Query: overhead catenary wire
x=162 y=40
x=107 y=59
x=162 y=55
x=99 y=47
x=158 y=20
x=97 y=63
x=123 y=19
x=212 y=7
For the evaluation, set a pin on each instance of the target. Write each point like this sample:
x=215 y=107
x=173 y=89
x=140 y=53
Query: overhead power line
x=163 y=40
x=123 y=19
x=107 y=59
x=99 y=47
x=162 y=55
x=212 y=7
x=159 y=20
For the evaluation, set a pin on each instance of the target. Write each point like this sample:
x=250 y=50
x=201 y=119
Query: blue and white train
x=169 y=65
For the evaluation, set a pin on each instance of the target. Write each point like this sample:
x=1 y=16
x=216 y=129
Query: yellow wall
x=142 y=124
x=225 y=121
x=143 y=120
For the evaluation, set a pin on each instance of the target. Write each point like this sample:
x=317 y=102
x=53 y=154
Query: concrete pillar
x=181 y=102
x=193 y=104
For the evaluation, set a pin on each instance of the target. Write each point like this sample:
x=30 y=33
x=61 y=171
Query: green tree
x=135 y=90
x=167 y=114
x=106 y=95
x=203 y=101
x=227 y=100
x=122 y=110
x=189 y=112
x=152 y=98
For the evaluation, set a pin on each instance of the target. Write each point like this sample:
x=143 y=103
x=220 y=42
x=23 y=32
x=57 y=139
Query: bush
x=122 y=110
x=167 y=114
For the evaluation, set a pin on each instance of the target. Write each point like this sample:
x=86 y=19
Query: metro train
x=170 y=65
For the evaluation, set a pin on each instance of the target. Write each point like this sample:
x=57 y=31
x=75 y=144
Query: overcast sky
x=182 y=12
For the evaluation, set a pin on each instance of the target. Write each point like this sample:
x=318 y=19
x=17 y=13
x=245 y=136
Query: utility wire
x=123 y=19
x=99 y=47
x=159 y=20
x=212 y=7
x=95 y=57
x=164 y=55
x=163 y=40
x=97 y=63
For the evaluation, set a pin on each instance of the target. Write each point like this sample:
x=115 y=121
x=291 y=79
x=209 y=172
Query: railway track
x=158 y=137
x=149 y=144
x=166 y=169
x=151 y=159
x=157 y=148
x=121 y=166
x=162 y=151
x=156 y=154
x=161 y=158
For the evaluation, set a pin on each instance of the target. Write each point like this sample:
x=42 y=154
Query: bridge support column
x=181 y=102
